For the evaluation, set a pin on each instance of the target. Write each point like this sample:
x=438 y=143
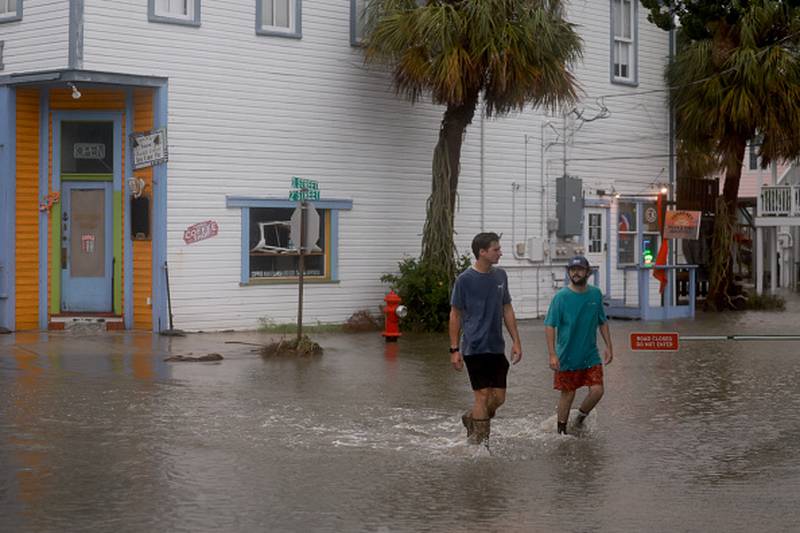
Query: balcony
x=779 y=202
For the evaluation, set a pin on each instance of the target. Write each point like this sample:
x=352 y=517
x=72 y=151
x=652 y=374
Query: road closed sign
x=654 y=342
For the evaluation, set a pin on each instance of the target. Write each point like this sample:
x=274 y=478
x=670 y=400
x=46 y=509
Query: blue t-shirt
x=480 y=298
x=576 y=317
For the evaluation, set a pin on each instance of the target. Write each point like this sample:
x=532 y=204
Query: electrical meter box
x=569 y=206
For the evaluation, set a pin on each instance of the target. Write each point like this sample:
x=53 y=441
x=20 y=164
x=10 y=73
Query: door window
x=595 y=233
x=87 y=147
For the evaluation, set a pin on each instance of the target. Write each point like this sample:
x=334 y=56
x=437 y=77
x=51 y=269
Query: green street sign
x=302 y=183
x=303 y=195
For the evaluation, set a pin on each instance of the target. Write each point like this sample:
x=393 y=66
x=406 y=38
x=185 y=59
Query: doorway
x=595 y=238
x=88 y=165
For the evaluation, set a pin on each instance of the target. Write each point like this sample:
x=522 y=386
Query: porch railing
x=779 y=201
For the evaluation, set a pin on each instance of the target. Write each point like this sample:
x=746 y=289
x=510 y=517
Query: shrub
x=765 y=302
x=425 y=291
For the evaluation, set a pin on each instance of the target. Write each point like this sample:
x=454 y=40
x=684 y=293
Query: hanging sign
x=149 y=148
x=682 y=225
x=200 y=231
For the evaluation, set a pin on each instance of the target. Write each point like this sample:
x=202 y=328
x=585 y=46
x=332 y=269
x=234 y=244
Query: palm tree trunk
x=438 y=247
x=721 y=282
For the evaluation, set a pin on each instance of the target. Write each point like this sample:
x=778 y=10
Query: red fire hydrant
x=393 y=312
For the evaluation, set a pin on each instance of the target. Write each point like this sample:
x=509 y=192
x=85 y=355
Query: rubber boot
x=466 y=419
x=480 y=435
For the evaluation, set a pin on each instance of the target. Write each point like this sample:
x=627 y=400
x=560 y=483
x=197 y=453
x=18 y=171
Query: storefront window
x=273 y=255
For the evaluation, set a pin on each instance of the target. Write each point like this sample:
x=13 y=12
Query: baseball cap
x=578 y=261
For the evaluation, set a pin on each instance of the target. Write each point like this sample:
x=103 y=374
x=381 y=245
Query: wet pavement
x=99 y=433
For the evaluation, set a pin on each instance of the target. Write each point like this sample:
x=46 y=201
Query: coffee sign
x=200 y=231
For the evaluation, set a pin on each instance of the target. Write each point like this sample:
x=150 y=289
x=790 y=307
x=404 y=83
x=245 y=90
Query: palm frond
x=516 y=52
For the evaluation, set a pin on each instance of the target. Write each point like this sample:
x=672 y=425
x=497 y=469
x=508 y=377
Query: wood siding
x=143 y=250
x=27 y=215
x=247 y=112
x=40 y=41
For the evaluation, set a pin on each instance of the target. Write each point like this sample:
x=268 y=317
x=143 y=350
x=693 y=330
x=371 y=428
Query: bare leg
x=480 y=409
x=496 y=399
x=564 y=405
x=595 y=393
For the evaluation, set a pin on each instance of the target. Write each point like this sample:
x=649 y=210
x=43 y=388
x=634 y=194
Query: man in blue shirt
x=574 y=315
x=479 y=306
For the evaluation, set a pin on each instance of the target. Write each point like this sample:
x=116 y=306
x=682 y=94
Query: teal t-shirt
x=576 y=317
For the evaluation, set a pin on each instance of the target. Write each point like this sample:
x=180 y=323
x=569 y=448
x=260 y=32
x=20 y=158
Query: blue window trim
x=298 y=27
x=247 y=202
x=44 y=216
x=16 y=17
x=8 y=172
x=127 y=241
x=634 y=79
x=152 y=17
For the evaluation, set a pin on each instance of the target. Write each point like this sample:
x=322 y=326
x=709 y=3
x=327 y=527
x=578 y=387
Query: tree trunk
x=721 y=282
x=438 y=246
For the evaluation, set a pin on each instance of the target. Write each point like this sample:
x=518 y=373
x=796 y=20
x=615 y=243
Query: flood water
x=103 y=435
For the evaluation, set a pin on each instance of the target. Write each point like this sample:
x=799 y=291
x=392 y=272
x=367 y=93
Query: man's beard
x=580 y=281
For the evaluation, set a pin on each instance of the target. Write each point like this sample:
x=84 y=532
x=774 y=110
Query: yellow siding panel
x=143 y=250
x=27 y=212
x=90 y=100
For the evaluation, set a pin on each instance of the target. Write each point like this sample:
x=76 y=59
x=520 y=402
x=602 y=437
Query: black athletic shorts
x=487 y=370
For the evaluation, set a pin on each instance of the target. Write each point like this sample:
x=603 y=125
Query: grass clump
x=361 y=321
x=765 y=302
x=269 y=326
x=293 y=347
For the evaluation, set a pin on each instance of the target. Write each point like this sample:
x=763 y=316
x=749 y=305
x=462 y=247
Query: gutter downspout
x=76 y=24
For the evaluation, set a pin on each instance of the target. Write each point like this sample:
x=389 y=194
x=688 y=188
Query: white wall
x=247 y=112
x=40 y=41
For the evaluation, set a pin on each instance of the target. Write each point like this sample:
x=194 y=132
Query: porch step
x=86 y=323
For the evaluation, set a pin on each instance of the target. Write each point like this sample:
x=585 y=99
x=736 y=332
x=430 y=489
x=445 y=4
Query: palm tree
x=511 y=53
x=737 y=77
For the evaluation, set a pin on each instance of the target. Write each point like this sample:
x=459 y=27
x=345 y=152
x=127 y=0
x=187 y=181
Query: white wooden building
x=253 y=92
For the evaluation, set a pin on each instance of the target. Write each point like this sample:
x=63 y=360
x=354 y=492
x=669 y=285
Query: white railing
x=779 y=201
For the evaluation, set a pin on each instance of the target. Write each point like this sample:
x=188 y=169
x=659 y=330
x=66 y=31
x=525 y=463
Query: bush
x=765 y=302
x=425 y=291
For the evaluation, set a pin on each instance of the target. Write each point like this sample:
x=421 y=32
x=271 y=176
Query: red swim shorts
x=567 y=380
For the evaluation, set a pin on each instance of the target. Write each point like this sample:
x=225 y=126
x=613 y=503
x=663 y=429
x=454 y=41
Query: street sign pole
x=301 y=268
x=302 y=190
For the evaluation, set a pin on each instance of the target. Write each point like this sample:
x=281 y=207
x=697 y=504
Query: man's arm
x=510 y=320
x=454 y=328
x=550 y=333
x=608 y=353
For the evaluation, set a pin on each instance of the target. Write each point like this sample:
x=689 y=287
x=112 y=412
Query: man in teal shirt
x=572 y=320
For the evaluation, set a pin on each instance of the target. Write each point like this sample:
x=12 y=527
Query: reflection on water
x=98 y=435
